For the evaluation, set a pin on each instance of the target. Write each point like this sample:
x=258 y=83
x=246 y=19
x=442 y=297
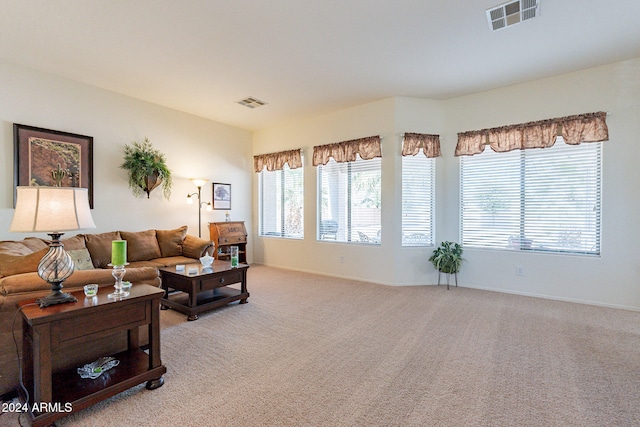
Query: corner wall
x=611 y=279
x=362 y=262
x=194 y=148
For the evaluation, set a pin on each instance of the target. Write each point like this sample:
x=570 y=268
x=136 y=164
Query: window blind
x=546 y=200
x=349 y=199
x=418 y=194
x=280 y=203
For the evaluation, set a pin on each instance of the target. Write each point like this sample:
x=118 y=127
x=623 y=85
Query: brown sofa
x=19 y=280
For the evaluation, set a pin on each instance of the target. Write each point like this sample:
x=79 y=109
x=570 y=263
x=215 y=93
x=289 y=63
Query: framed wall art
x=221 y=196
x=52 y=158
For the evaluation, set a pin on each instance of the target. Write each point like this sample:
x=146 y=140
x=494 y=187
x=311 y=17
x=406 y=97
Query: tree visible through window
x=349 y=201
x=281 y=203
x=536 y=199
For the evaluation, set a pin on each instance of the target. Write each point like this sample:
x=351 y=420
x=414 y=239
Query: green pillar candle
x=118 y=252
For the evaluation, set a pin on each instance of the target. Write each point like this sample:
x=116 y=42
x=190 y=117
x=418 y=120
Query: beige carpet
x=310 y=350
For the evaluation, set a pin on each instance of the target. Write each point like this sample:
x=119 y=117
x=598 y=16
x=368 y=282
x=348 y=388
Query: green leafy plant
x=447 y=257
x=147 y=169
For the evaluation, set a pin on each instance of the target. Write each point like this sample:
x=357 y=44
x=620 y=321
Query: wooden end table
x=205 y=289
x=48 y=330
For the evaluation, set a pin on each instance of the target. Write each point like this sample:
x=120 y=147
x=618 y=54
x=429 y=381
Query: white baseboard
x=484 y=288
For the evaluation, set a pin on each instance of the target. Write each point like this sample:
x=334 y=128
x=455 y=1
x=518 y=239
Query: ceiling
x=306 y=57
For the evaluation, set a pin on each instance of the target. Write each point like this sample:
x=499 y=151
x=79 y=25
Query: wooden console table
x=48 y=330
x=205 y=289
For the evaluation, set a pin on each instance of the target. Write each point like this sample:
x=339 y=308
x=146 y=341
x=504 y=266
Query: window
x=418 y=191
x=280 y=200
x=535 y=200
x=349 y=201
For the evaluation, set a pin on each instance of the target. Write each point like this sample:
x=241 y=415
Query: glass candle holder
x=118 y=273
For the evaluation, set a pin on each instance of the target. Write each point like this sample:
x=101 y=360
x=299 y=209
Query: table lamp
x=53 y=210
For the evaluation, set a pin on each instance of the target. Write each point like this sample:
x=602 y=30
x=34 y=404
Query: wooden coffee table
x=203 y=289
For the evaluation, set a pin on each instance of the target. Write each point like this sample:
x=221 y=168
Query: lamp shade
x=49 y=209
x=199 y=182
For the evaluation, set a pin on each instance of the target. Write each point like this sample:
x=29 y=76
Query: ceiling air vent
x=511 y=13
x=251 y=102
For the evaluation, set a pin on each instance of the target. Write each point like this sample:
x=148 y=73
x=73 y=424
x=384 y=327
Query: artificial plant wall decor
x=147 y=169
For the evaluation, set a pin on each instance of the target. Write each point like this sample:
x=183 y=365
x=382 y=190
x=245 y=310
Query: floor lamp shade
x=53 y=210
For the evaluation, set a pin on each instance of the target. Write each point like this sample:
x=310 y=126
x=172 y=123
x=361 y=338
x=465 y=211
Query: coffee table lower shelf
x=205 y=301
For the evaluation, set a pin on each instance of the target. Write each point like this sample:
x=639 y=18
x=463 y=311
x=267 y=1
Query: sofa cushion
x=17 y=248
x=99 y=246
x=141 y=245
x=12 y=264
x=30 y=282
x=195 y=247
x=81 y=259
x=35 y=243
x=21 y=283
x=175 y=260
x=149 y=263
x=170 y=241
x=74 y=243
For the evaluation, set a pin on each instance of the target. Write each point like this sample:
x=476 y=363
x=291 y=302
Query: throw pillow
x=11 y=264
x=16 y=248
x=170 y=241
x=35 y=243
x=74 y=243
x=193 y=247
x=81 y=259
x=141 y=245
x=99 y=246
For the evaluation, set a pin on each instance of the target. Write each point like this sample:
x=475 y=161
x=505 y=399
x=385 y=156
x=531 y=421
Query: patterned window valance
x=590 y=127
x=346 y=151
x=413 y=142
x=276 y=161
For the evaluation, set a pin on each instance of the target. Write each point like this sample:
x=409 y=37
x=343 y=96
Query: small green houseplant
x=147 y=169
x=447 y=258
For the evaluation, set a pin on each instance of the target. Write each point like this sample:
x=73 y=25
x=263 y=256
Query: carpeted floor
x=310 y=350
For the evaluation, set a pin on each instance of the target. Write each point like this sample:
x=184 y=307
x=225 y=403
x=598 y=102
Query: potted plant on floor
x=147 y=169
x=447 y=259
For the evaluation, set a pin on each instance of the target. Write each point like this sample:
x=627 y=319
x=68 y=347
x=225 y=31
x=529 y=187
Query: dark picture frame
x=52 y=158
x=221 y=196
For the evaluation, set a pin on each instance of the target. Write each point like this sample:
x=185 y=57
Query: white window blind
x=533 y=200
x=280 y=203
x=349 y=199
x=418 y=193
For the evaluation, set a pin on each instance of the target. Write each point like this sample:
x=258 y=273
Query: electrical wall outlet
x=341 y=259
x=519 y=271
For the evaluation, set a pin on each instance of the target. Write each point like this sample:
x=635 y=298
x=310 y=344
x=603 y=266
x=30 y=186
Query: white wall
x=365 y=262
x=194 y=148
x=612 y=279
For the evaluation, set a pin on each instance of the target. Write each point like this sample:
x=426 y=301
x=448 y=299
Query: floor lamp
x=53 y=210
x=199 y=183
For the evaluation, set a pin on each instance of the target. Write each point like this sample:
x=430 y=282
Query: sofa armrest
x=195 y=247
